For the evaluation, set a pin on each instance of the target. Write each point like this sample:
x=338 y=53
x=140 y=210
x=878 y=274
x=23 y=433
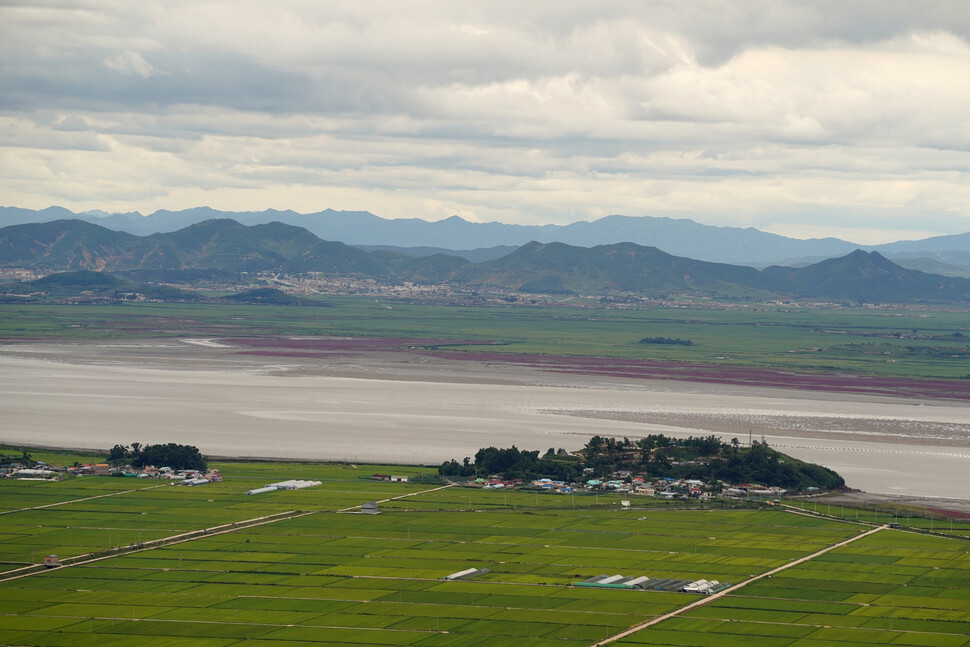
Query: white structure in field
x=292 y=484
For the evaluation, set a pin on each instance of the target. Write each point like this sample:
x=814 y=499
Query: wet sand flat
x=407 y=408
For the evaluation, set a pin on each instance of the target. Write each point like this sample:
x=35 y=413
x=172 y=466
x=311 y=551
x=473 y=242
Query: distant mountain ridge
x=227 y=246
x=680 y=237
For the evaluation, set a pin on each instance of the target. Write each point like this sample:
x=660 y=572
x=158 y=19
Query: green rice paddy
x=343 y=578
x=891 y=588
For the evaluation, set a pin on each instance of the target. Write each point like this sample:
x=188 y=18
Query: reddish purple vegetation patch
x=742 y=376
x=352 y=344
x=612 y=367
x=950 y=514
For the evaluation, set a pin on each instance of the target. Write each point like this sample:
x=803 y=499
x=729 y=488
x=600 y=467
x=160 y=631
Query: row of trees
x=670 y=341
x=515 y=463
x=178 y=457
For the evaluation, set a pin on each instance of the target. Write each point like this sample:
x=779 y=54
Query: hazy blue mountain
x=17 y=216
x=225 y=246
x=927 y=246
x=934 y=264
x=679 y=237
x=473 y=255
x=682 y=237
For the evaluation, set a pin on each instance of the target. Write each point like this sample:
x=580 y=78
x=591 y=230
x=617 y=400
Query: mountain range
x=226 y=246
x=680 y=237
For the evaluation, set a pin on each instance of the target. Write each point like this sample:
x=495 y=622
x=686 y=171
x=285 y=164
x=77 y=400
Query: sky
x=807 y=119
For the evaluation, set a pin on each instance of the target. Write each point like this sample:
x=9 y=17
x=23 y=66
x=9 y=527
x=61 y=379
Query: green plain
x=897 y=343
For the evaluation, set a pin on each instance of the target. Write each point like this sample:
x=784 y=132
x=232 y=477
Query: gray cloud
x=847 y=115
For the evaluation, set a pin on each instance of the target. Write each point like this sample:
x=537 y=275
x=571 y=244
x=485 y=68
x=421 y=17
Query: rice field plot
x=25 y=534
x=211 y=603
x=147 y=510
x=558 y=547
x=356 y=579
x=16 y=494
x=892 y=587
x=275 y=470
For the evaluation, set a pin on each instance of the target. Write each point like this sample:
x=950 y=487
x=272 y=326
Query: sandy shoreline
x=410 y=407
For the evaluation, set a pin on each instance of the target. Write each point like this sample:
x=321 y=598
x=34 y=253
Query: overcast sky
x=848 y=119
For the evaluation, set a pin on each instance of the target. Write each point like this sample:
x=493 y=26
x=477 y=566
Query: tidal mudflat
x=419 y=408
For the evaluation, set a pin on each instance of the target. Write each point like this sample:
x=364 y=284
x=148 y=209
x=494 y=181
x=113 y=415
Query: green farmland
x=326 y=577
x=892 y=588
x=99 y=513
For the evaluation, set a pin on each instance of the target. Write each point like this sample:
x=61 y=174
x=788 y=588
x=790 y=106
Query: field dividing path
x=191 y=535
x=87 y=558
x=403 y=496
x=710 y=598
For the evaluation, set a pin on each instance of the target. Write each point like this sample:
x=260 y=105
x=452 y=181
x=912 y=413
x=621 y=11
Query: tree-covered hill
x=655 y=457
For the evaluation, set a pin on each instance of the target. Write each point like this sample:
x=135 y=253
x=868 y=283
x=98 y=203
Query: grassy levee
x=927 y=344
x=353 y=579
x=891 y=588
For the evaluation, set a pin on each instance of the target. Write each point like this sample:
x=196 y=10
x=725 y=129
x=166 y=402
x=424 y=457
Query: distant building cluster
x=623 y=482
x=44 y=472
x=647 y=583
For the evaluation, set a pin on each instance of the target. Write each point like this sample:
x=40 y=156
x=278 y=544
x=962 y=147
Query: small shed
x=51 y=561
x=370 y=508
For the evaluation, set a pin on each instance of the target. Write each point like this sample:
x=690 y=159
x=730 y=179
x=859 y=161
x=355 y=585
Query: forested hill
x=657 y=456
x=546 y=268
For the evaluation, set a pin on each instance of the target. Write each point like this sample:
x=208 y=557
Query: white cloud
x=770 y=114
x=130 y=62
x=71 y=123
